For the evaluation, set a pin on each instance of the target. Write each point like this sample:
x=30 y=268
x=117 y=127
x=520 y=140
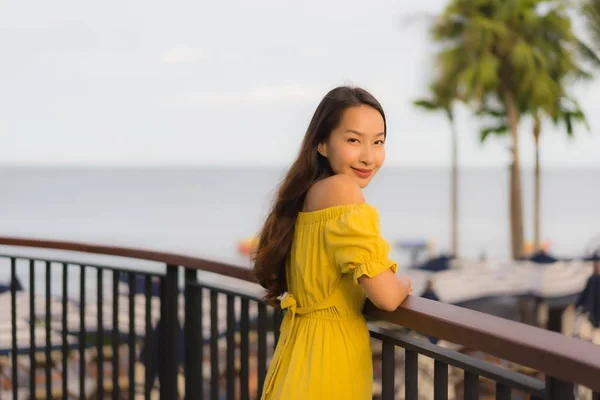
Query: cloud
x=258 y=95
x=181 y=54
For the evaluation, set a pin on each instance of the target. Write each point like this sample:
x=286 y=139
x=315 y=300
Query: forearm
x=386 y=290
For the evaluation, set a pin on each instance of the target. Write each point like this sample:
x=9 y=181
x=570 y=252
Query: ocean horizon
x=206 y=211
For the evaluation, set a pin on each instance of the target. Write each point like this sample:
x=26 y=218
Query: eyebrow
x=361 y=133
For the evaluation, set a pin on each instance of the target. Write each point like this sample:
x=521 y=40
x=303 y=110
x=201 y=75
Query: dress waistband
x=288 y=302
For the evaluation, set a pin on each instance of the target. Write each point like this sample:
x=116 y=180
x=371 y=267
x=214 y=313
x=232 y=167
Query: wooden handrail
x=139 y=254
x=560 y=356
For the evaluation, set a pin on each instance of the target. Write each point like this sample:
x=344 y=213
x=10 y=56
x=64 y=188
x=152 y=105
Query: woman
x=320 y=253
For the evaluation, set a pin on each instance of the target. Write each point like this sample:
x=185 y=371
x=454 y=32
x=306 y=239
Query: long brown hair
x=276 y=235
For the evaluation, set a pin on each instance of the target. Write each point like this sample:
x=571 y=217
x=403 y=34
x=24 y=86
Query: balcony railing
x=193 y=328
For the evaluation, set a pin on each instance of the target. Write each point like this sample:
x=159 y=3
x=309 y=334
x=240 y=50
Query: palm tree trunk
x=516 y=201
x=454 y=189
x=536 y=180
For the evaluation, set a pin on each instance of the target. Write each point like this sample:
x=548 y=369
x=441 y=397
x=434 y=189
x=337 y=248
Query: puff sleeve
x=354 y=243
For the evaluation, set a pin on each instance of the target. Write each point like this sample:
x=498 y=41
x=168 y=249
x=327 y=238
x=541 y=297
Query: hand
x=407 y=282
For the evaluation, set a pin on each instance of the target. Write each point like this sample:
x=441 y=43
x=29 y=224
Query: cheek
x=380 y=156
x=342 y=155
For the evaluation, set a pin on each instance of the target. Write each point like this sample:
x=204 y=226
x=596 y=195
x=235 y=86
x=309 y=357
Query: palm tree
x=495 y=51
x=441 y=99
x=568 y=114
x=567 y=52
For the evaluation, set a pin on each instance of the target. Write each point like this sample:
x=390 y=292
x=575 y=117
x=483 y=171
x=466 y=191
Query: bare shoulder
x=333 y=191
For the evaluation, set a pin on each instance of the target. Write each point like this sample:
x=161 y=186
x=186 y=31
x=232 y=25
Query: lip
x=363 y=173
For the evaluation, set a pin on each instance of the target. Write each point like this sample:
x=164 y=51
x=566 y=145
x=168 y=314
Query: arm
x=386 y=290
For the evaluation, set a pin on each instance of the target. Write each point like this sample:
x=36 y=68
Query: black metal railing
x=67 y=340
x=250 y=334
x=505 y=381
x=104 y=330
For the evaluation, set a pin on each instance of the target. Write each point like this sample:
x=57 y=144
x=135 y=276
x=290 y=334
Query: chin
x=363 y=183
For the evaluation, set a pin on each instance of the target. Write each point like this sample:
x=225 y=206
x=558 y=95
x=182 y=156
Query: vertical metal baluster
x=245 y=350
x=214 y=345
x=201 y=339
x=388 y=366
x=262 y=345
x=411 y=374
x=115 y=335
x=48 y=337
x=471 y=386
x=13 y=317
x=169 y=350
x=502 y=392
x=559 y=390
x=82 y=333
x=230 y=347
x=193 y=356
x=131 y=337
x=440 y=381
x=100 y=332
x=148 y=379
x=65 y=328
x=32 y=350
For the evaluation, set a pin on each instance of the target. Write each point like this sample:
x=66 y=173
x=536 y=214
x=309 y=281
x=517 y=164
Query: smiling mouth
x=363 y=173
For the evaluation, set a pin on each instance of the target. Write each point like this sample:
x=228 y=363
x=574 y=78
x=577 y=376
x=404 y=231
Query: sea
x=205 y=212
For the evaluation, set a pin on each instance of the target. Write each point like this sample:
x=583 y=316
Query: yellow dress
x=324 y=349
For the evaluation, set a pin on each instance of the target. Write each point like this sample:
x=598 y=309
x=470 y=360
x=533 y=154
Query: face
x=356 y=147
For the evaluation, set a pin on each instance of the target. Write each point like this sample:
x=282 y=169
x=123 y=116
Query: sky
x=234 y=83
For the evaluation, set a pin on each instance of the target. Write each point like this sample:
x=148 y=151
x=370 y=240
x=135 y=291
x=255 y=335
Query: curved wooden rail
x=560 y=356
x=139 y=254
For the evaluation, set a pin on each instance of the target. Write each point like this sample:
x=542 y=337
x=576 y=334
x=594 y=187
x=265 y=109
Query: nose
x=366 y=155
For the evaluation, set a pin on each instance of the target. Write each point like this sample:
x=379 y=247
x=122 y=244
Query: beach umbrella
x=593 y=257
x=441 y=263
x=139 y=284
x=588 y=301
x=5 y=286
x=542 y=257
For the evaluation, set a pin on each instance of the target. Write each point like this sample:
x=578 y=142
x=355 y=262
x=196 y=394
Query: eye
x=352 y=140
x=380 y=142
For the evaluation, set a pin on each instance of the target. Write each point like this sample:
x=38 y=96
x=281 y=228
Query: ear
x=322 y=149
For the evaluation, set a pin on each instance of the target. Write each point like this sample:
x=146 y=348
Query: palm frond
x=426 y=104
x=587 y=53
x=498 y=130
x=590 y=11
x=528 y=47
